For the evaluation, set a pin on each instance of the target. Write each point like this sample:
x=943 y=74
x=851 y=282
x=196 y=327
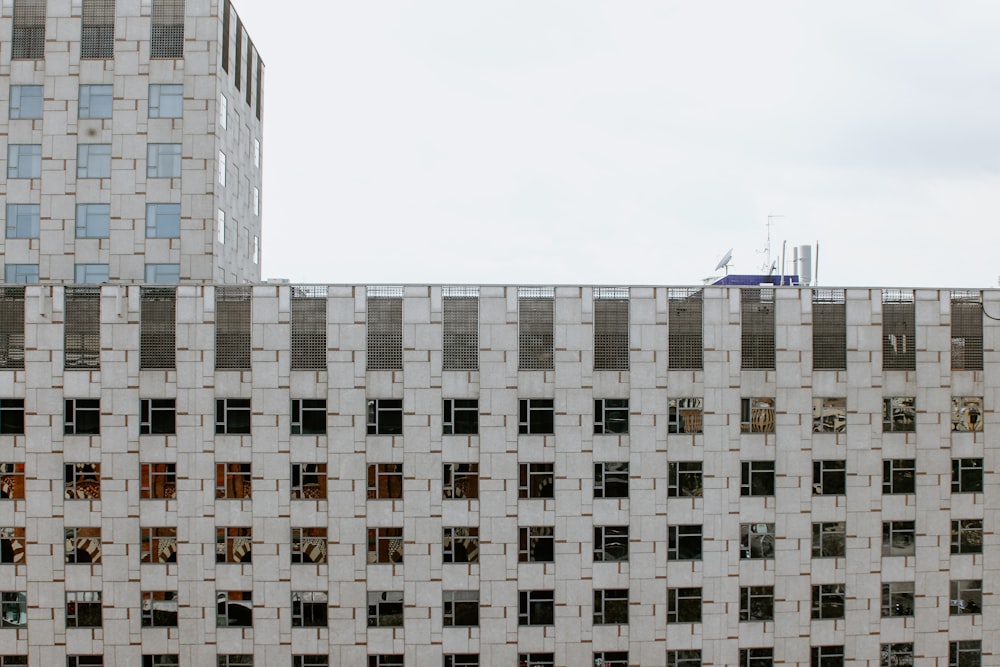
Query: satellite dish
x=725 y=261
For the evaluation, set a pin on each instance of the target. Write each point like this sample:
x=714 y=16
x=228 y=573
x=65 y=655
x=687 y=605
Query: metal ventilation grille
x=28 y=34
x=898 y=330
x=157 y=329
x=829 y=326
x=11 y=327
x=385 y=328
x=166 y=38
x=757 y=331
x=308 y=337
x=82 y=330
x=966 y=330
x=232 y=327
x=611 y=328
x=97 y=37
x=684 y=329
x=536 y=314
x=460 y=324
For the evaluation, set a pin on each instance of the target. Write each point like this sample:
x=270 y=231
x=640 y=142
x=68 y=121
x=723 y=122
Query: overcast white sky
x=629 y=142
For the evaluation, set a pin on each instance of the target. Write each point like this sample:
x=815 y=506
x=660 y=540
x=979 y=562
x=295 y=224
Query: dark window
x=610 y=544
x=157 y=330
x=309 y=545
x=536 y=544
x=536 y=660
x=899 y=538
x=611 y=480
x=460 y=609
x=829 y=540
x=308 y=481
x=896 y=655
x=966 y=475
x=967 y=536
x=536 y=311
x=385 y=545
x=460 y=544
x=83 y=327
x=611 y=606
x=385 y=327
x=385 y=416
x=757 y=332
x=611 y=328
x=967 y=330
x=308 y=325
x=460 y=416
x=232 y=416
x=310 y=661
x=461 y=660
x=827 y=656
x=157 y=416
x=757 y=603
x=828 y=601
x=536 y=480
x=684 y=479
x=385 y=661
x=897 y=599
x=898 y=330
x=309 y=609
x=684 y=332
x=757 y=415
x=757 y=478
x=166 y=660
x=537 y=416
x=235 y=660
x=756 y=657
x=83 y=609
x=684 y=415
x=234 y=609
x=461 y=480
x=965 y=653
x=12 y=416
x=385 y=481
x=166 y=38
x=683 y=605
x=757 y=540
x=15 y=610
x=611 y=659
x=308 y=416
x=899 y=476
x=385 y=609
x=611 y=415
x=536 y=608
x=966 y=597
x=75 y=661
x=159 y=609
x=460 y=328
x=684 y=542
x=829 y=329
x=829 y=478
x=232 y=327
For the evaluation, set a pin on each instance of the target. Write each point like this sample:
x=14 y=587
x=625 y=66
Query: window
x=611 y=323
x=90 y=274
x=222 y=169
x=684 y=479
x=83 y=545
x=965 y=653
x=233 y=481
x=829 y=540
x=684 y=415
x=828 y=601
x=309 y=609
x=610 y=415
x=385 y=481
x=13 y=547
x=11 y=481
x=15 y=609
x=966 y=475
x=308 y=321
x=610 y=544
x=896 y=655
x=611 y=480
x=757 y=603
x=384 y=660
x=537 y=416
x=461 y=660
x=757 y=415
x=232 y=327
x=22 y=221
x=967 y=413
x=235 y=609
x=97 y=34
x=536 y=660
x=461 y=480
x=684 y=658
x=159 y=545
x=899 y=415
x=157 y=416
x=82 y=481
x=308 y=545
x=220 y=228
x=385 y=416
x=28 y=34
x=256 y=152
x=611 y=606
x=460 y=327
x=829 y=415
x=460 y=416
x=256 y=250
x=83 y=609
x=757 y=332
x=611 y=659
x=460 y=608
x=163 y=161
x=26 y=102
x=899 y=538
x=536 y=607
x=96 y=100
x=966 y=597
x=308 y=481
x=757 y=478
x=460 y=544
x=166 y=37
x=166 y=100
x=163 y=273
x=536 y=544
x=157 y=335
x=684 y=542
x=684 y=331
x=897 y=599
x=827 y=656
x=899 y=476
x=385 y=328
x=536 y=480
x=967 y=536
x=12 y=320
x=80 y=661
x=308 y=416
x=83 y=416
x=93 y=161
x=21 y=273
x=158 y=481
x=223 y=111
x=163 y=221
x=898 y=330
x=232 y=416
x=170 y=660
x=683 y=605
x=829 y=329
x=235 y=660
x=233 y=545
x=967 y=330
x=829 y=478
x=159 y=609
x=385 y=609
x=536 y=308
x=756 y=657
x=82 y=329
x=11 y=416
x=385 y=545
x=310 y=661
x=256 y=202
x=757 y=540
x=24 y=161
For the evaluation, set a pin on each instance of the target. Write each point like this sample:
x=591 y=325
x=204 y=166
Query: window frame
x=684 y=604
x=233 y=480
x=163 y=220
x=760 y=656
x=79 y=607
x=148 y=609
x=611 y=416
x=899 y=476
x=309 y=545
x=899 y=414
x=685 y=479
x=536 y=607
x=308 y=481
x=528 y=540
x=451 y=536
x=757 y=541
x=684 y=658
x=960 y=592
x=757 y=414
x=452 y=408
x=385 y=545
x=895 y=595
x=229 y=601
x=12 y=474
x=97 y=101
x=967 y=536
x=175 y=96
x=958 y=649
x=233 y=544
x=536 y=480
x=460 y=481
x=835 y=536
x=228 y=413
x=751 y=474
x=164 y=160
x=756 y=603
x=381 y=609
x=24 y=161
x=685 y=416
x=896 y=531
x=385 y=481
x=306 y=607
x=896 y=653
x=611 y=544
x=23 y=221
x=967 y=475
x=611 y=479
x=33 y=109
x=456 y=606
x=536 y=416
x=85 y=540
x=611 y=606
x=828 y=595
x=93 y=161
x=11 y=416
x=13 y=545
x=157 y=481
x=829 y=478
x=82 y=481
x=385 y=416
x=157 y=416
x=678 y=534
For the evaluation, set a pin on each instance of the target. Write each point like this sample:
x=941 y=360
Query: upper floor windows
x=24 y=161
x=308 y=322
x=460 y=416
x=611 y=415
x=96 y=100
x=166 y=100
x=536 y=416
x=93 y=221
x=757 y=415
x=685 y=345
x=163 y=161
x=163 y=221
x=26 y=102
x=22 y=221
x=385 y=416
x=157 y=330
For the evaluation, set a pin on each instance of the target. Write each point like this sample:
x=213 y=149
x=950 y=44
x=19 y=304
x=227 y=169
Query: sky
x=630 y=142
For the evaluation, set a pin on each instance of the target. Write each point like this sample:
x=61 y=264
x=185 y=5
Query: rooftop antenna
x=767 y=249
x=726 y=260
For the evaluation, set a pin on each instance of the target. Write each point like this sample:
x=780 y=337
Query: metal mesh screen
x=97 y=37
x=829 y=327
x=966 y=330
x=611 y=328
x=757 y=331
x=166 y=38
x=11 y=327
x=82 y=330
x=535 y=331
x=232 y=327
x=28 y=32
x=385 y=328
x=157 y=328
x=898 y=330
x=460 y=325
x=308 y=330
x=684 y=333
